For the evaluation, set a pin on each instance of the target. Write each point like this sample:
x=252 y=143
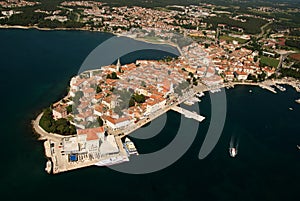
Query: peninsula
x=251 y=46
x=105 y=105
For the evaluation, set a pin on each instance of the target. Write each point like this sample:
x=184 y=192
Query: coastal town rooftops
x=59 y=108
x=91 y=133
x=117 y=120
x=241 y=73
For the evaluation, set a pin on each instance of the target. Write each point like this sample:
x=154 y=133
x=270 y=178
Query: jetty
x=188 y=114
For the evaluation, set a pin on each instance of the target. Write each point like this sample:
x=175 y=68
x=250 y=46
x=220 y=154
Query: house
x=90 y=138
x=229 y=75
x=153 y=104
x=117 y=123
x=268 y=71
x=59 y=112
x=240 y=75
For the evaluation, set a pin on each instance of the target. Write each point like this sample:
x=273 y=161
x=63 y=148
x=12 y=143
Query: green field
x=229 y=38
x=269 y=61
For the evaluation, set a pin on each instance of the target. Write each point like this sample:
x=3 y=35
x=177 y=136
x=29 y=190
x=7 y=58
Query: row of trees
x=61 y=126
x=259 y=78
x=288 y=72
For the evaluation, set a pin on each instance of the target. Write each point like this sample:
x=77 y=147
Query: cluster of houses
x=235 y=63
x=17 y=3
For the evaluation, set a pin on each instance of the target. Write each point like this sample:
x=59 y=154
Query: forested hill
x=162 y=3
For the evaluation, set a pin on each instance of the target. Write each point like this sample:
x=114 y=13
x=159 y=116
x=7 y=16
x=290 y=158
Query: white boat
x=48 y=167
x=112 y=161
x=298 y=101
x=232 y=152
x=215 y=90
x=199 y=95
x=250 y=91
x=298 y=146
x=189 y=103
x=130 y=147
x=281 y=88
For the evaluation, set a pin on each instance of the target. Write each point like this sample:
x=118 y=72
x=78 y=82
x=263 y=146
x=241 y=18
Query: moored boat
x=48 y=167
x=281 y=88
x=130 y=147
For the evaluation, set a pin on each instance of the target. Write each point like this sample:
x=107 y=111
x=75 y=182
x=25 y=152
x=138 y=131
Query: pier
x=188 y=114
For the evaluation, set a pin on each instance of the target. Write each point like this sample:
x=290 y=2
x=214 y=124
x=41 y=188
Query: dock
x=188 y=114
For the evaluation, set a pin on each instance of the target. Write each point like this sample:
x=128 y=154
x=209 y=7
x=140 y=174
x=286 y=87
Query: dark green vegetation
x=289 y=72
x=113 y=76
x=293 y=43
x=98 y=89
x=139 y=98
x=60 y=126
x=251 y=26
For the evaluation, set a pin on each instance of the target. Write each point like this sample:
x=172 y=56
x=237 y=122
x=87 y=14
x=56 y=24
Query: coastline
x=84 y=29
x=48 y=29
x=268 y=84
x=44 y=135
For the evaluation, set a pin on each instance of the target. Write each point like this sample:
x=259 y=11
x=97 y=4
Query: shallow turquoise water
x=35 y=69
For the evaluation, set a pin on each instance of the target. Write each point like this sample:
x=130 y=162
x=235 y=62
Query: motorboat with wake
x=233 y=152
x=233 y=147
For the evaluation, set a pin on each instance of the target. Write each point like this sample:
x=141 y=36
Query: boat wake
x=233 y=146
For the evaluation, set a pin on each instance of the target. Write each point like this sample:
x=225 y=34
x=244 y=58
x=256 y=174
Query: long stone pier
x=188 y=114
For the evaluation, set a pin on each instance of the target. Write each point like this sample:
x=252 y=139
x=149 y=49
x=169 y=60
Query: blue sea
x=35 y=69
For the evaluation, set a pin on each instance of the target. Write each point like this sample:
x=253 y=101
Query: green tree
x=131 y=102
x=98 y=89
x=139 y=98
x=100 y=121
x=69 y=109
x=114 y=75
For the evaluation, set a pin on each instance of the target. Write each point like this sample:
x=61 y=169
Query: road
x=43 y=134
